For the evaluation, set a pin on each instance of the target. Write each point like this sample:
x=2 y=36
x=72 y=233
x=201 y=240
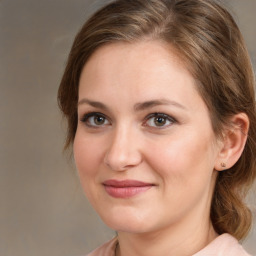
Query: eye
x=159 y=120
x=95 y=120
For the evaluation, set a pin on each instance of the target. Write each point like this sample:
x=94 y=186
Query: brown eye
x=160 y=121
x=99 y=120
x=95 y=120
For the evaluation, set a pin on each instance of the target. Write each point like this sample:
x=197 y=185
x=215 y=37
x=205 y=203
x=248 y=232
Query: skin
x=178 y=156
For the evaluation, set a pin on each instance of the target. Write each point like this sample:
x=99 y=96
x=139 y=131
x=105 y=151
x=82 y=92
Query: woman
x=159 y=98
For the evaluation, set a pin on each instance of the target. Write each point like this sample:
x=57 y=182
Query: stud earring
x=223 y=165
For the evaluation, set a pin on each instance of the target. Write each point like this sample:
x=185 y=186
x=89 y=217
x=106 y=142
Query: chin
x=126 y=222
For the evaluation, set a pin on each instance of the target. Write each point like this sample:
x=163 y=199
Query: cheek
x=87 y=154
x=182 y=156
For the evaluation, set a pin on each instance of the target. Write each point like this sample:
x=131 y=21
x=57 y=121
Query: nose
x=123 y=151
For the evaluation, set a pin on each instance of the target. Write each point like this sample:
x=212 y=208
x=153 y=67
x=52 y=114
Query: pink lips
x=125 y=188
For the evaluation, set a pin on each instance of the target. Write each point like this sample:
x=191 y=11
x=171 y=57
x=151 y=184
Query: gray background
x=43 y=210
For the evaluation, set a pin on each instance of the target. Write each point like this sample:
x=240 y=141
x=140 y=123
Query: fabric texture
x=223 y=245
x=107 y=249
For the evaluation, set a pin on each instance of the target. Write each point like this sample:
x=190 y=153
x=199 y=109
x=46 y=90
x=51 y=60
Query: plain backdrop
x=43 y=210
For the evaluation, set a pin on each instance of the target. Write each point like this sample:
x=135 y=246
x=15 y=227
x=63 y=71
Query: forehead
x=149 y=49
x=122 y=74
x=144 y=61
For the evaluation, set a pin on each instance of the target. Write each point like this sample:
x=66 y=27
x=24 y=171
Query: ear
x=233 y=142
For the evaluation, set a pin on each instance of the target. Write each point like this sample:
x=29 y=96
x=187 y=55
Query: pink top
x=223 y=245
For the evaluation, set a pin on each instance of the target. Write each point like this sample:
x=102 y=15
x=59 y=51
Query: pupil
x=159 y=121
x=99 y=120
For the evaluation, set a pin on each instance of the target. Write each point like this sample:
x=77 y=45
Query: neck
x=171 y=241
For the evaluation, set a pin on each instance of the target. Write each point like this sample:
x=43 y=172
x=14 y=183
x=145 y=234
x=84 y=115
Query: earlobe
x=233 y=143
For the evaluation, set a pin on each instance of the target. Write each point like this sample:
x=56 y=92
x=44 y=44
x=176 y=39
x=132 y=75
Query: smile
x=125 y=188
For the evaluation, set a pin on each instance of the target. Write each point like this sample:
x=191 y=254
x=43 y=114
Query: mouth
x=126 y=188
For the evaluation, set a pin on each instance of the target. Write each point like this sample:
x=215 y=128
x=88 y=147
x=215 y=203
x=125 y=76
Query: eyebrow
x=137 y=107
x=92 y=103
x=159 y=102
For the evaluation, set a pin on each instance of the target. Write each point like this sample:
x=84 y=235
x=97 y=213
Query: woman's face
x=144 y=147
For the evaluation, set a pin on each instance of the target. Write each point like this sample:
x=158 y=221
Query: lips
x=125 y=188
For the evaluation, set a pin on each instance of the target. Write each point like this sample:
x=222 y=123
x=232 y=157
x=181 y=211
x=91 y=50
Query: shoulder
x=107 y=249
x=223 y=245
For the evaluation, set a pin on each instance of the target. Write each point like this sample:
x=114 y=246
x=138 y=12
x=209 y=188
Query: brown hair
x=209 y=42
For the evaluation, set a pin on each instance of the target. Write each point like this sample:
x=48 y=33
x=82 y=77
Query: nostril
x=122 y=160
x=122 y=152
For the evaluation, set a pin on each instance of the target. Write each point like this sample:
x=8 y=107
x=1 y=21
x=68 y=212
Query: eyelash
x=86 y=118
x=159 y=115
